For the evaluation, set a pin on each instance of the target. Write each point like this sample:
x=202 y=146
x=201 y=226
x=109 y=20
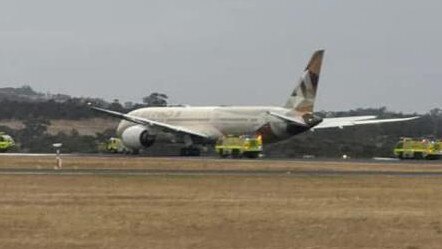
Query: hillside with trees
x=34 y=114
x=37 y=115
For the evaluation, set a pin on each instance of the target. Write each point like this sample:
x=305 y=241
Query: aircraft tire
x=418 y=155
x=190 y=151
x=236 y=153
x=252 y=155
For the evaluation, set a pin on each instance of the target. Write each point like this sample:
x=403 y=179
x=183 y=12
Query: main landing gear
x=190 y=151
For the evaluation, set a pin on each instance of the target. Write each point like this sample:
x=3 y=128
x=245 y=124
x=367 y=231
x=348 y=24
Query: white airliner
x=194 y=126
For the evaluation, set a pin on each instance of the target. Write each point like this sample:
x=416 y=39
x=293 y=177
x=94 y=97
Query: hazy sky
x=206 y=52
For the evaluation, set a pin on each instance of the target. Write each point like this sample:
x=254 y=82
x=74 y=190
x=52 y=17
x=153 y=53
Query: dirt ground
x=217 y=211
x=84 y=126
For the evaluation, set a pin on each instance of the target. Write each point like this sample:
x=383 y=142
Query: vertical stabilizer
x=303 y=97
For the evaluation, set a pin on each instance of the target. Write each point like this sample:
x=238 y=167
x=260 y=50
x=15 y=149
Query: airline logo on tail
x=303 y=97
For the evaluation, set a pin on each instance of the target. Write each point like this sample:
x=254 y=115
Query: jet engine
x=136 y=137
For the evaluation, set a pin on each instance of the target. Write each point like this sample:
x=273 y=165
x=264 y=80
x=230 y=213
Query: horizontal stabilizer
x=296 y=121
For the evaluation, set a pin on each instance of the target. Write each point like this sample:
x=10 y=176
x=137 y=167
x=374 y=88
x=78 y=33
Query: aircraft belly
x=206 y=129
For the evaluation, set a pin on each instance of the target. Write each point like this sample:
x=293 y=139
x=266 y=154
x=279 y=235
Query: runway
x=230 y=172
x=115 y=165
x=384 y=160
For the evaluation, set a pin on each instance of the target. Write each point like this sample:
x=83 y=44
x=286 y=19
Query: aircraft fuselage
x=218 y=121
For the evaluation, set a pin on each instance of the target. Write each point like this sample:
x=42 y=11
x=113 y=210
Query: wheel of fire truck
x=418 y=155
x=222 y=154
x=251 y=155
x=432 y=157
x=236 y=153
x=400 y=155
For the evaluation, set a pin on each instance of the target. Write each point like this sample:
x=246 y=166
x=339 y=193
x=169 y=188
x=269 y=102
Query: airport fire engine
x=418 y=148
x=114 y=145
x=6 y=142
x=239 y=146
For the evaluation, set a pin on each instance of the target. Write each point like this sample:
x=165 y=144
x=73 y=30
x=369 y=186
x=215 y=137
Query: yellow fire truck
x=6 y=142
x=113 y=145
x=418 y=148
x=239 y=146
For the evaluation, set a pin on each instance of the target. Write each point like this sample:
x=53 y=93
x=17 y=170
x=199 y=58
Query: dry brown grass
x=216 y=211
x=84 y=127
x=220 y=212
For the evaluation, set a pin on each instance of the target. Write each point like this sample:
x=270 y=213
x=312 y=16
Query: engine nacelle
x=136 y=137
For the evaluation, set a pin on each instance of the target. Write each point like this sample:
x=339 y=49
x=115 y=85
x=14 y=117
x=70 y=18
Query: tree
x=105 y=135
x=33 y=136
x=26 y=90
x=35 y=127
x=155 y=99
x=116 y=106
x=436 y=118
x=128 y=105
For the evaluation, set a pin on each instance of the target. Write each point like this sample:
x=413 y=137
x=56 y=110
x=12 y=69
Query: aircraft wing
x=150 y=123
x=357 y=120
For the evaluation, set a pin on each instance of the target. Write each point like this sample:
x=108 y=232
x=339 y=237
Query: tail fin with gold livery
x=303 y=97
